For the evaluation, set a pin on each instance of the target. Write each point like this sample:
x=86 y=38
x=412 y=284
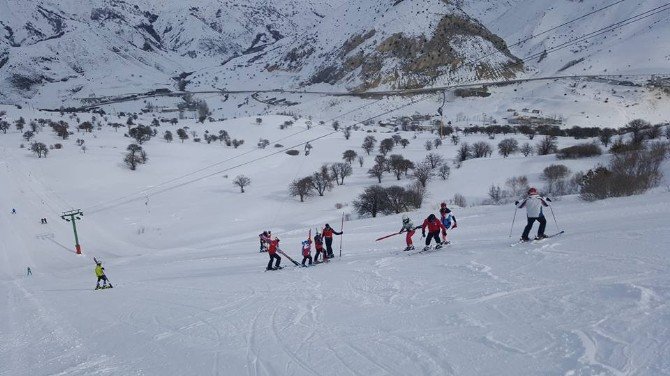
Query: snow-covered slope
x=191 y=296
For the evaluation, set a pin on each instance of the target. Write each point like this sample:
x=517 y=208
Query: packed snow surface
x=191 y=296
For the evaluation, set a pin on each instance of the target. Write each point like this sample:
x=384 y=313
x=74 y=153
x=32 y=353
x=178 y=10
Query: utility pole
x=73 y=216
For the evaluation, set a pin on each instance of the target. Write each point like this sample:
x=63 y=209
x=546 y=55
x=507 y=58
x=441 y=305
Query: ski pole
x=341 y=236
x=513 y=220
x=555 y=221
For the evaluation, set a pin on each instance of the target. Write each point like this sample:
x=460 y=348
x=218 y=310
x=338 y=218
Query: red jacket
x=433 y=226
x=318 y=243
x=274 y=245
x=328 y=232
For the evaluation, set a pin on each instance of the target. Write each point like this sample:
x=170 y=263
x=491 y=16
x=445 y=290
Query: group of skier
x=431 y=229
x=435 y=226
x=270 y=244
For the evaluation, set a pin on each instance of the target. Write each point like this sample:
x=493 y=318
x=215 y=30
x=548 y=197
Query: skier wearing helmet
x=434 y=226
x=272 y=251
x=448 y=220
x=408 y=226
x=533 y=204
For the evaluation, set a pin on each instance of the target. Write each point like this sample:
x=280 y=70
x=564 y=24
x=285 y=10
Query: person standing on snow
x=100 y=273
x=408 y=226
x=272 y=251
x=533 y=204
x=318 y=246
x=307 y=251
x=447 y=218
x=328 y=235
x=434 y=226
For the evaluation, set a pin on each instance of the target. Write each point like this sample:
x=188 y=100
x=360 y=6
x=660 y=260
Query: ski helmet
x=431 y=217
x=405 y=218
x=532 y=191
x=443 y=205
x=327 y=225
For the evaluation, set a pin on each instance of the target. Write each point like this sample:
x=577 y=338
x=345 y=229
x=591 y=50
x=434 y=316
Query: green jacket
x=99 y=271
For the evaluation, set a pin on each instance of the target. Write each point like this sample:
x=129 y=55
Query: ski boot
x=540 y=237
x=408 y=248
x=426 y=248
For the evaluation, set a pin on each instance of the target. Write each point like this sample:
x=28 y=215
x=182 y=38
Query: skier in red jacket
x=272 y=251
x=306 y=251
x=434 y=226
x=318 y=246
x=327 y=233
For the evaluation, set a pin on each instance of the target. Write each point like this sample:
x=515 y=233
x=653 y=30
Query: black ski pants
x=305 y=258
x=433 y=235
x=329 y=246
x=274 y=257
x=318 y=253
x=529 y=226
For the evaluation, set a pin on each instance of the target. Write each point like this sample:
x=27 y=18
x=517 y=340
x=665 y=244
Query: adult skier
x=307 y=251
x=272 y=251
x=318 y=246
x=447 y=218
x=100 y=273
x=408 y=227
x=265 y=237
x=327 y=234
x=533 y=204
x=434 y=226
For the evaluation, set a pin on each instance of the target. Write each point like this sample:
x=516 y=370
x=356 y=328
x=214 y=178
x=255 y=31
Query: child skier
x=447 y=218
x=100 y=273
x=272 y=251
x=434 y=226
x=328 y=235
x=408 y=226
x=265 y=238
x=533 y=204
x=307 y=251
x=318 y=246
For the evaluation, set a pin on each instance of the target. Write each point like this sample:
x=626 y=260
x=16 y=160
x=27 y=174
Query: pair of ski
x=536 y=240
x=427 y=249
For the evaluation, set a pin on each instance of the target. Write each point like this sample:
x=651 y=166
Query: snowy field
x=191 y=296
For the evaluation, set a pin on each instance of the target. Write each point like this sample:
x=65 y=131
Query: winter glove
x=516 y=203
x=423 y=234
x=454 y=226
x=548 y=199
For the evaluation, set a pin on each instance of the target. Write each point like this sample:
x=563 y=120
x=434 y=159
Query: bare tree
x=302 y=188
x=464 y=152
x=386 y=146
x=349 y=156
x=507 y=147
x=428 y=145
x=606 y=136
x=404 y=142
x=481 y=149
x=434 y=160
x=340 y=171
x=547 y=146
x=347 y=133
x=135 y=156
x=40 y=149
x=444 y=171
x=372 y=201
x=27 y=135
x=242 y=181
x=167 y=136
x=377 y=171
x=369 y=144
x=526 y=149
x=361 y=160
x=399 y=165
x=423 y=173
x=322 y=181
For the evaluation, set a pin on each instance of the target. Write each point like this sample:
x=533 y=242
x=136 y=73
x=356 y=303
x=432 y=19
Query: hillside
x=190 y=295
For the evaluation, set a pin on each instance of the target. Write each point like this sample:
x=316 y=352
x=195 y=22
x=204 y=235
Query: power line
x=147 y=191
x=191 y=181
x=617 y=25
